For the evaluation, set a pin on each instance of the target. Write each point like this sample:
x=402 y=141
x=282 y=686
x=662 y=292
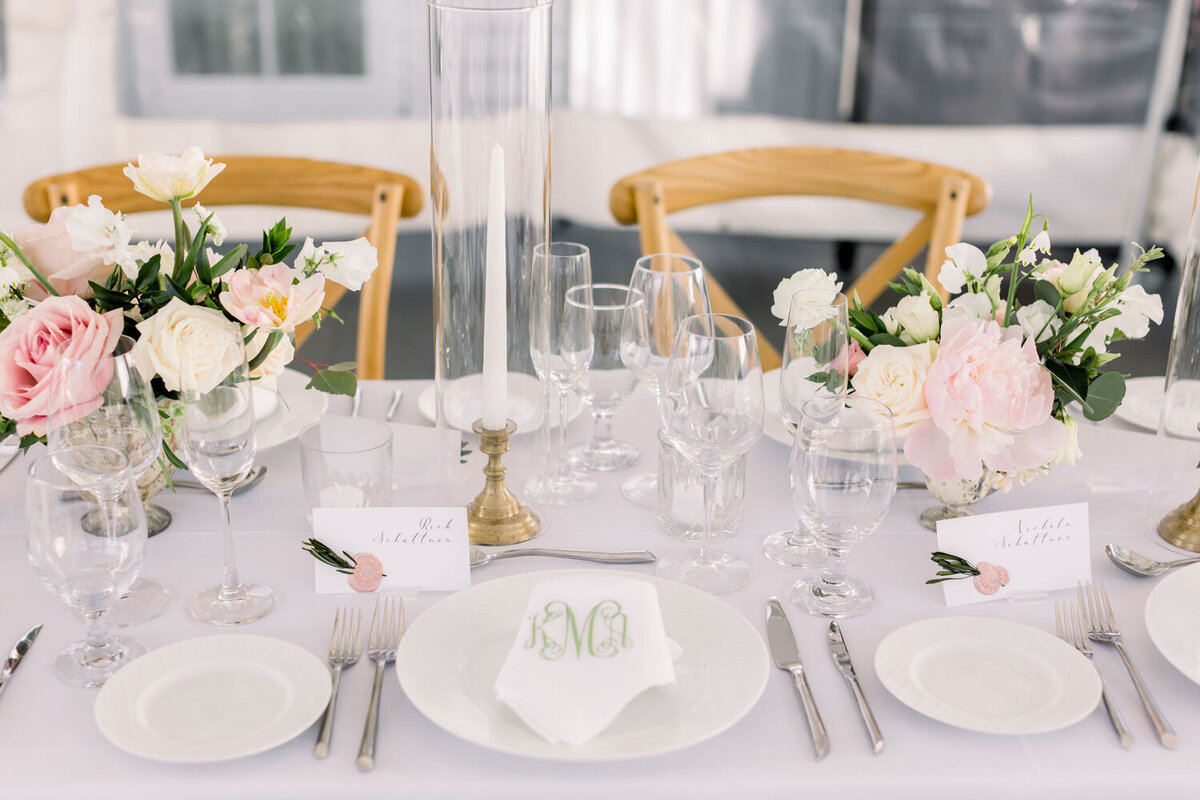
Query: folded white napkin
x=587 y=645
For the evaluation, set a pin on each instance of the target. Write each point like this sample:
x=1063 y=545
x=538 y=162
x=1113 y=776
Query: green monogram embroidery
x=554 y=630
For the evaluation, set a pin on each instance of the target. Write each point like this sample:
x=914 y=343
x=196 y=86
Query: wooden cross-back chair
x=383 y=196
x=945 y=197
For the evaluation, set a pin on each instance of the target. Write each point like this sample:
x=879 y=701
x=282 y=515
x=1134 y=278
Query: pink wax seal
x=368 y=573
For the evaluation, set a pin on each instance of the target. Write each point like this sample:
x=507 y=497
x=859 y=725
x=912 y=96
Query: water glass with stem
x=816 y=360
x=105 y=400
x=665 y=289
x=843 y=472
x=88 y=566
x=218 y=445
x=608 y=382
x=712 y=412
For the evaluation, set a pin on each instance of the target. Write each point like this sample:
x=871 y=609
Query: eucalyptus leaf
x=1045 y=290
x=333 y=382
x=1104 y=394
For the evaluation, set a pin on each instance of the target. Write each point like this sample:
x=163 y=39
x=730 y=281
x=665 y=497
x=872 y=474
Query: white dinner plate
x=464 y=402
x=1143 y=404
x=449 y=659
x=298 y=408
x=1173 y=619
x=213 y=698
x=987 y=675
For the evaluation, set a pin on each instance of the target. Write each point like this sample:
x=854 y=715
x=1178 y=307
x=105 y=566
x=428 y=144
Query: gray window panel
x=3 y=54
x=217 y=37
x=319 y=37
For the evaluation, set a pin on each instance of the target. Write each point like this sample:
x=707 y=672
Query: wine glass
x=561 y=345
x=608 y=381
x=844 y=478
x=815 y=364
x=712 y=412
x=665 y=290
x=105 y=400
x=88 y=566
x=218 y=445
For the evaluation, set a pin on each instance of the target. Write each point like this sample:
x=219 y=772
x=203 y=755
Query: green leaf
x=1104 y=395
x=866 y=321
x=887 y=338
x=174 y=459
x=333 y=381
x=177 y=290
x=1045 y=290
x=148 y=272
x=107 y=299
x=228 y=261
x=343 y=366
x=273 y=339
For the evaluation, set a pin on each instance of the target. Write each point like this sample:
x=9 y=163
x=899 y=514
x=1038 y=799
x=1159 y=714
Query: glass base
x=145 y=601
x=712 y=571
x=549 y=491
x=791 y=550
x=609 y=457
x=812 y=595
x=256 y=601
x=930 y=517
x=642 y=490
x=75 y=665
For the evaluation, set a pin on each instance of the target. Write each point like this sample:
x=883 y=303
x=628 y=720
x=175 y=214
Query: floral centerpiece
x=984 y=385
x=74 y=285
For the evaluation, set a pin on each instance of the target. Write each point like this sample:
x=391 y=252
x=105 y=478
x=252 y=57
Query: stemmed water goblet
x=665 y=289
x=561 y=347
x=86 y=535
x=105 y=400
x=712 y=412
x=815 y=364
x=843 y=473
x=608 y=382
x=218 y=445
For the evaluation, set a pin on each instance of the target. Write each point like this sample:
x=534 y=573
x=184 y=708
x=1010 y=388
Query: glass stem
x=231 y=585
x=100 y=649
x=708 y=482
x=562 y=469
x=602 y=437
x=800 y=537
x=833 y=573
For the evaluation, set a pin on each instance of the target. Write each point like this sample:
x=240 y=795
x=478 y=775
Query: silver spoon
x=1138 y=564
x=480 y=557
x=252 y=478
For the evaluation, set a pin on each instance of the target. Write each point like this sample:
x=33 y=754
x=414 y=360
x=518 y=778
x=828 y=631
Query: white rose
x=216 y=229
x=96 y=231
x=160 y=343
x=963 y=261
x=895 y=376
x=918 y=319
x=1033 y=318
x=165 y=178
x=348 y=263
x=280 y=356
x=1069 y=453
x=814 y=286
x=972 y=305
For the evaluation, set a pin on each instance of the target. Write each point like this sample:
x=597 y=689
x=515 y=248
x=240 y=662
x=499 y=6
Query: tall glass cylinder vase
x=490 y=184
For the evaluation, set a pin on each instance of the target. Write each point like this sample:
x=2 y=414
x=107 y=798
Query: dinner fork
x=1068 y=623
x=345 y=648
x=387 y=626
x=1103 y=628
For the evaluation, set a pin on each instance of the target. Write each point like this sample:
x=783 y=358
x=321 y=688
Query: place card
x=413 y=548
x=1013 y=553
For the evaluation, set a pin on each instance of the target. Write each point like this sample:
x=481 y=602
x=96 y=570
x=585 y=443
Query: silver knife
x=395 y=406
x=18 y=652
x=787 y=657
x=841 y=657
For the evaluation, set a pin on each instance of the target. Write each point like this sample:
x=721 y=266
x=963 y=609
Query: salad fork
x=1103 y=628
x=1068 y=624
x=345 y=648
x=387 y=626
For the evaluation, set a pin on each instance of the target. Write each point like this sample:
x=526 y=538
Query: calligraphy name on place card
x=415 y=548
x=1012 y=553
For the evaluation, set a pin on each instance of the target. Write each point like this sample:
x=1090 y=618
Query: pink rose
x=848 y=359
x=274 y=298
x=49 y=247
x=31 y=389
x=989 y=399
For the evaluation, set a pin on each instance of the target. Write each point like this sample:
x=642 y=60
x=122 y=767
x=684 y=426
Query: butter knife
x=787 y=657
x=18 y=652
x=841 y=657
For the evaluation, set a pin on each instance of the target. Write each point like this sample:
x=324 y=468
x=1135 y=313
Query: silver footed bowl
x=955 y=495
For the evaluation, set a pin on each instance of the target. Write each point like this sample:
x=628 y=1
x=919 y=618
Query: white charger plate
x=1143 y=404
x=213 y=698
x=449 y=659
x=466 y=404
x=1173 y=619
x=987 y=675
x=298 y=408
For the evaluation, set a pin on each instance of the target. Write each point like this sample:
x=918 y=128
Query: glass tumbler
x=681 y=497
x=346 y=462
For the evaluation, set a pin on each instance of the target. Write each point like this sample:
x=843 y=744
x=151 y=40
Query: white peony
x=216 y=229
x=160 y=345
x=895 y=376
x=1033 y=318
x=348 y=263
x=963 y=261
x=919 y=321
x=166 y=178
x=972 y=305
x=280 y=356
x=96 y=231
x=815 y=286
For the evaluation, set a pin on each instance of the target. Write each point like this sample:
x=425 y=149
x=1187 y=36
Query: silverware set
x=393 y=406
x=18 y=652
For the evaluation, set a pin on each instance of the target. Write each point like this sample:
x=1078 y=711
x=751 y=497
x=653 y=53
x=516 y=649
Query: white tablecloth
x=50 y=746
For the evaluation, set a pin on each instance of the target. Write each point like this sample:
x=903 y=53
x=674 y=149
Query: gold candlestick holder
x=1181 y=527
x=495 y=516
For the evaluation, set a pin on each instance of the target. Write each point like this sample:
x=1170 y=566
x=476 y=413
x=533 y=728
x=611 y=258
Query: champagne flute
x=815 y=364
x=843 y=473
x=665 y=289
x=712 y=412
x=561 y=347
x=105 y=400
x=218 y=446
x=87 y=566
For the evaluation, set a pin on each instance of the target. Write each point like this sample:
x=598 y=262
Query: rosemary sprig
x=952 y=567
x=323 y=553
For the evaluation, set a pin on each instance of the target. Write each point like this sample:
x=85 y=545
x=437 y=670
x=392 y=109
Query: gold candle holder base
x=1181 y=527
x=496 y=516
